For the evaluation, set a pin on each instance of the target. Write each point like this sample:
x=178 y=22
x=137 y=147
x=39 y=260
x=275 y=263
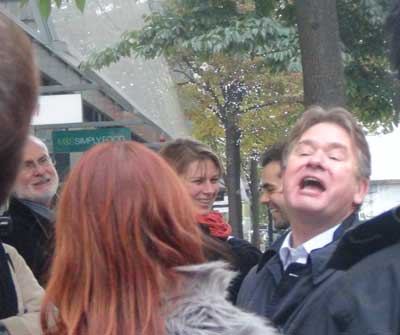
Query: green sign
x=82 y=140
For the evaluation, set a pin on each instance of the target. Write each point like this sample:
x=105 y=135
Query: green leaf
x=24 y=2
x=80 y=4
x=45 y=8
x=265 y=7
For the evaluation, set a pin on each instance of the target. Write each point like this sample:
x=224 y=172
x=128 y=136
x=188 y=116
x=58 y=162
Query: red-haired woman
x=201 y=170
x=129 y=255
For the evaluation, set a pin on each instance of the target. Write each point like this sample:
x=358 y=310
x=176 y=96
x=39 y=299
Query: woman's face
x=202 y=181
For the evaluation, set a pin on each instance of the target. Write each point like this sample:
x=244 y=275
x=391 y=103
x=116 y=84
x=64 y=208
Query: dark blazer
x=32 y=236
x=364 y=296
x=270 y=291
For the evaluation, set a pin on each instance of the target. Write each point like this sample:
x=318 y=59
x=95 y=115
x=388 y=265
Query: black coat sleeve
x=245 y=256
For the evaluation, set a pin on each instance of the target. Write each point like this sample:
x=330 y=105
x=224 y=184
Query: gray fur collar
x=202 y=308
x=212 y=277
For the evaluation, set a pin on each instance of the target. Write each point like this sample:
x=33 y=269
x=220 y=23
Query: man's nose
x=39 y=169
x=265 y=198
x=317 y=159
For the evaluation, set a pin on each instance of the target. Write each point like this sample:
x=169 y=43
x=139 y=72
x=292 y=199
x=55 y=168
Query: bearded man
x=30 y=208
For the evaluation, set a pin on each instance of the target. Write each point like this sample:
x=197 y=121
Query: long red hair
x=124 y=222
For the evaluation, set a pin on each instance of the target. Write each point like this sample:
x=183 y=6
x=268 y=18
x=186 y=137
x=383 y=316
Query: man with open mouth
x=363 y=296
x=30 y=208
x=326 y=170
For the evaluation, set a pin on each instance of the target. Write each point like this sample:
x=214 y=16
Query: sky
x=385 y=155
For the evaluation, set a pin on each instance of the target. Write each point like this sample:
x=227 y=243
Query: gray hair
x=38 y=141
x=338 y=116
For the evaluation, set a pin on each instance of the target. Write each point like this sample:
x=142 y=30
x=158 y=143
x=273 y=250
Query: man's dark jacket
x=276 y=294
x=32 y=235
x=364 y=297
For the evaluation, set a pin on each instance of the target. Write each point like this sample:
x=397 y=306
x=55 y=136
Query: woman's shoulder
x=202 y=308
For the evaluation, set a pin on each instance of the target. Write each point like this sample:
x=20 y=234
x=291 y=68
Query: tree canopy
x=219 y=46
x=247 y=29
x=202 y=29
x=371 y=86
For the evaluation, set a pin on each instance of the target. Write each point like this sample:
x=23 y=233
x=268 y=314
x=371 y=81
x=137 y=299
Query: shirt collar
x=289 y=255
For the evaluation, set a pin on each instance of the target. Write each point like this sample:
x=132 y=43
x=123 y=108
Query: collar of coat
x=373 y=235
x=319 y=257
x=20 y=208
x=201 y=308
x=212 y=277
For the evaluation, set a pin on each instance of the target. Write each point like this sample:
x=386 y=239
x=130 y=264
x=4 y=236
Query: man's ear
x=361 y=191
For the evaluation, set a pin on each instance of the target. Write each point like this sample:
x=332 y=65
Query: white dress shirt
x=289 y=255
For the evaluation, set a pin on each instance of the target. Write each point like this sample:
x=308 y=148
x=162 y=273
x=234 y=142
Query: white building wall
x=384 y=190
x=382 y=196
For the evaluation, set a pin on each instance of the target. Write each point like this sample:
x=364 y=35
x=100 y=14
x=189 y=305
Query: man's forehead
x=33 y=150
x=325 y=130
x=271 y=173
x=314 y=143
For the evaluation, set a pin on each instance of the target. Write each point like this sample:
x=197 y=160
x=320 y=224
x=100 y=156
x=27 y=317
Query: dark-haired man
x=271 y=185
x=30 y=208
x=363 y=294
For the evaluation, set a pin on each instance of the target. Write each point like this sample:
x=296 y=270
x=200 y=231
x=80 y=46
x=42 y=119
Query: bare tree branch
x=188 y=76
x=205 y=85
x=295 y=99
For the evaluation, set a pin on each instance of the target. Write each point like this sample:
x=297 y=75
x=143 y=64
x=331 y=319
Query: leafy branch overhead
x=225 y=52
x=205 y=31
x=220 y=48
x=46 y=5
x=371 y=88
x=272 y=104
x=266 y=28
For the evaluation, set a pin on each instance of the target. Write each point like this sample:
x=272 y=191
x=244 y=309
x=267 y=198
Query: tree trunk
x=396 y=99
x=323 y=74
x=232 y=150
x=255 y=202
